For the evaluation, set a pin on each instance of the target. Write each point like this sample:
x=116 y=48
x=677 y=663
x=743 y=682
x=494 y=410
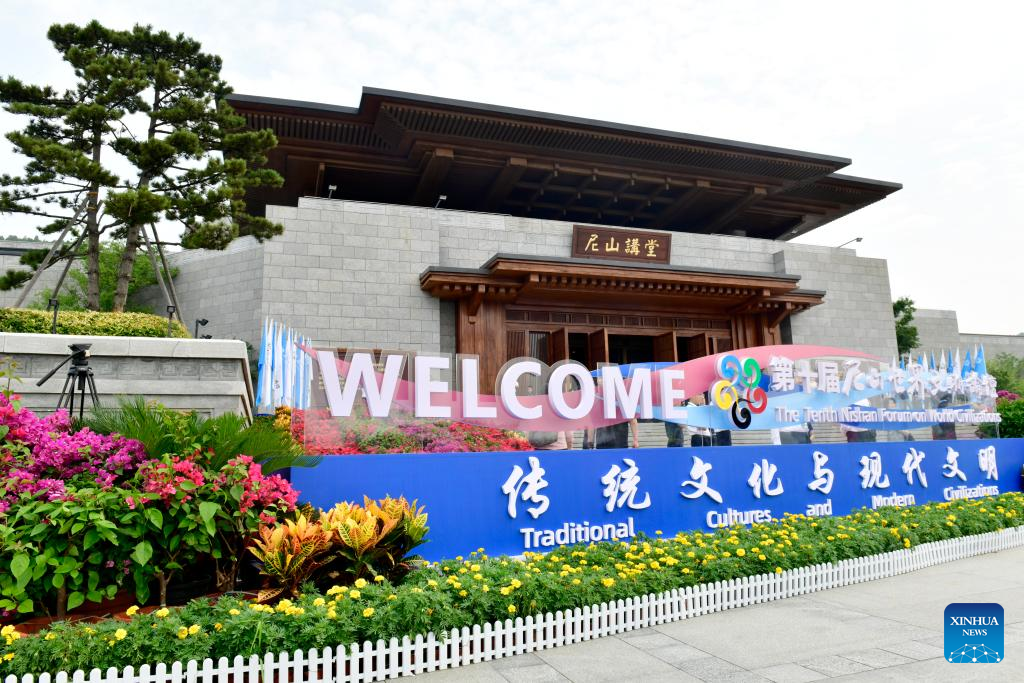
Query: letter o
x=556 y=398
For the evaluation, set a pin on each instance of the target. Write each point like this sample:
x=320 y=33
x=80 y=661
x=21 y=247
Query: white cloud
x=924 y=93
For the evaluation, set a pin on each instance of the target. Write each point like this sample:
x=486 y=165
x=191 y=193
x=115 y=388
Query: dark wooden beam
x=801 y=225
x=672 y=213
x=584 y=188
x=648 y=201
x=434 y=173
x=722 y=218
x=539 y=192
x=503 y=184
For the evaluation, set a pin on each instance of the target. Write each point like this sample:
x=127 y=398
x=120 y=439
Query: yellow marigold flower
x=354 y=594
x=608 y=583
x=360 y=583
x=463 y=593
x=505 y=590
x=49 y=636
x=686 y=570
x=319 y=602
x=162 y=612
x=475 y=568
x=432 y=583
x=485 y=588
x=511 y=609
x=193 y=629
x=575 y=582
x=9 y=656
x=120 y=634
x=740 y=552
x=334 y=590
x=368 y=612
x=378 y=579
x=132 y=610
x=478 y=577
x=331 y=614
x=218 y=626
x=778 y=570
x=392 y=597
x=233 y=612
x=516 y=583
x=183 y=633
x=762 y=557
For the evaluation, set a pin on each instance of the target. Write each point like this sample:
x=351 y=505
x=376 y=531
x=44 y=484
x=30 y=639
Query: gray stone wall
x=347 y=274
x=224 y=287
x=208 y=376
x=857 y=313
x=936 y=330
x=48 y=280
x=995 y=344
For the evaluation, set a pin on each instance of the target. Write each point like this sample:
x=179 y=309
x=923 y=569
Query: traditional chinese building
x=422 y=224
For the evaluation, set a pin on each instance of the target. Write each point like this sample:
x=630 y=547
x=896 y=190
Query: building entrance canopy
x=558 y=309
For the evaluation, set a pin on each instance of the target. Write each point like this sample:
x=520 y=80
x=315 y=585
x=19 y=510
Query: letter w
x=360 y=373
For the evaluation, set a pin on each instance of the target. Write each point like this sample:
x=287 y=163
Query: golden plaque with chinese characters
x=621 y=245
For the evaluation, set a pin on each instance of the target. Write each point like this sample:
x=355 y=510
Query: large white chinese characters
x=698 y=481
x=871 y=475
x=823 y=476
x=761 y=478
x=529 y=486
x=620 y=487
x=911 y=464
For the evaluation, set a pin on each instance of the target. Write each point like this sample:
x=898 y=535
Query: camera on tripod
x=79 y=380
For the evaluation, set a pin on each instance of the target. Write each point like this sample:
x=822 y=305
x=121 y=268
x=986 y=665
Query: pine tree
x=153 y=100
x=180 y=176
x=64 y=142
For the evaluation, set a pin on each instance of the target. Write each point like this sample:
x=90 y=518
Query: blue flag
x=968 y=365
x=979 y=361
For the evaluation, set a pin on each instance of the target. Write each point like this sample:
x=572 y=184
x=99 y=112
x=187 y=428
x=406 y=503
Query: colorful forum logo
x=738 y=390
x=973 y=633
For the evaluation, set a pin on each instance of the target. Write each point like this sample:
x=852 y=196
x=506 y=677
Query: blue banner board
x=537 y=500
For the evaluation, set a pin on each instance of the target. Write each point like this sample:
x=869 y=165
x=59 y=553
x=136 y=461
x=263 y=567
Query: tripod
x=79 y=380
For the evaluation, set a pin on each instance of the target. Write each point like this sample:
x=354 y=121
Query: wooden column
x=483 y=335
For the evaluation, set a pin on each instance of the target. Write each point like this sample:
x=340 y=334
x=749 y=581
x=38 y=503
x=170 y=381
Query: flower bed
x=323 y=435
x=84 y=515
x=480 y=590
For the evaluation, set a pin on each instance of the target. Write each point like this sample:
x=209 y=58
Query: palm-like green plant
x=163 y=431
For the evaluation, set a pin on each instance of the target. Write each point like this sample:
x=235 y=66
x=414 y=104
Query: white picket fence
x=391 y=659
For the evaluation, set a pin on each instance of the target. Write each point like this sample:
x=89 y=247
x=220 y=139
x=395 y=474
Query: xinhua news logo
x=973 y=633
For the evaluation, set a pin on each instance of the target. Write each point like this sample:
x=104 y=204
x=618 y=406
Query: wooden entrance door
x=665 y=348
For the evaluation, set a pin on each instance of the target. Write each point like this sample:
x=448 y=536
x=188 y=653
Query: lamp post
x=855 y=239
x=55 y=305
x=200 y=322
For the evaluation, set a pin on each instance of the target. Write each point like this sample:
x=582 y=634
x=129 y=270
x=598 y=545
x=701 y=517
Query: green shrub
x=1012 y=413
x=479 y=589
x=89 y=322
x=163 y=431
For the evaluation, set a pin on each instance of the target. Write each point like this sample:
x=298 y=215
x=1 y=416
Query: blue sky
x=928 y=94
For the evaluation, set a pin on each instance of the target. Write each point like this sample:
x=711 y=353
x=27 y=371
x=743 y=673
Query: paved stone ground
x=887 y=630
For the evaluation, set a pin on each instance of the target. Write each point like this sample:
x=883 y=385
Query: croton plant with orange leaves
x=341 y=545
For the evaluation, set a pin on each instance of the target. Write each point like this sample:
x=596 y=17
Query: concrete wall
x=347 y=274
x=209 y=376
x=995 y=344
x=857 y=313
x=224 y=287
x=10 y=261
x=938 y=329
